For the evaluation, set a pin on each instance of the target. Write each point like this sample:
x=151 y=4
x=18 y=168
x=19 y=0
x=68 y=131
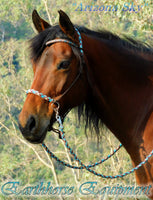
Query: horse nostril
x=29 y=130
x=31 y=123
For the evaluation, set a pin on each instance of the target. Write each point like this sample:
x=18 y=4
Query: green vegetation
x=29 y=164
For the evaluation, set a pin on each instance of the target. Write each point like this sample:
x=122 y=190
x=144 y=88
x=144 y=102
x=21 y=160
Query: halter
x=61 y=127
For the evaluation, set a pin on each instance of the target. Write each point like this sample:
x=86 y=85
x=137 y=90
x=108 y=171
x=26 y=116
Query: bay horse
x=109 y=79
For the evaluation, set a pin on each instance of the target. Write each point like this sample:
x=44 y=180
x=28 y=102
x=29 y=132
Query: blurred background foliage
x=28 y=163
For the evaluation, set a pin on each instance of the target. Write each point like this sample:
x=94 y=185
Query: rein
x=61 y=127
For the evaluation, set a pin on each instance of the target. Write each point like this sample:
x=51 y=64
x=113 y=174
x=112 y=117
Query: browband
x=61 y=40
x=69 y=42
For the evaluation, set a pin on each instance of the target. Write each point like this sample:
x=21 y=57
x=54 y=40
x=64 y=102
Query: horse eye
x=64 y=64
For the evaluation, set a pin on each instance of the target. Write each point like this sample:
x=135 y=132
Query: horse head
x=58 y=73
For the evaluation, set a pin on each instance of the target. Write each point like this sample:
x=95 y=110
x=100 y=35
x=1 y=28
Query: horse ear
x=38 y=22
x=66 y=25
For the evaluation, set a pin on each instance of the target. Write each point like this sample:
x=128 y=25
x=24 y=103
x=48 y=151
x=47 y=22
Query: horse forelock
x=38 y=43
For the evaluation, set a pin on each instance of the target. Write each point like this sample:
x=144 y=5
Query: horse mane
x=86 y=110
x=118 y=42
x=38 y=43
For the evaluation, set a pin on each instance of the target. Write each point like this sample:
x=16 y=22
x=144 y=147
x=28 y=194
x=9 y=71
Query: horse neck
x=122 y=90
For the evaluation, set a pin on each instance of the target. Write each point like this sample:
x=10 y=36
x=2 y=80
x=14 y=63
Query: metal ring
x=55 y=103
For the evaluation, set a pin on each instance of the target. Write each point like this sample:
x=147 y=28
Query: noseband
x=32 y=91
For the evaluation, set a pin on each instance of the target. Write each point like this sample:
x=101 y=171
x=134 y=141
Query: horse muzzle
x=34 y=131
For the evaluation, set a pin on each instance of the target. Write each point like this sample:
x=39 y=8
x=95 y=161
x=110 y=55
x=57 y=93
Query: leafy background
x=28 y=163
